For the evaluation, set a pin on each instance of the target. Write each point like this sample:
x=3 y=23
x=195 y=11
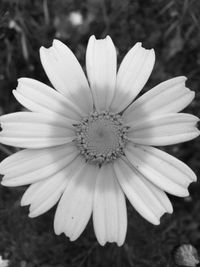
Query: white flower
x=90 y=145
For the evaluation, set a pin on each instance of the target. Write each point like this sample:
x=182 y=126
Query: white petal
x=32 y=142
x=101 y=63
x=133 y=74
x=163 y=130
x=139 y=193
x=38 y=165
x=34 y=117
x=45 y=194
x=162 y=169
x=168 y=97
x=66 y=75
x=109 y=211
x=34 y=130
x=39 y=97
x=160 y=195
x=27 y=160
x=75 y=207
x=31 y=193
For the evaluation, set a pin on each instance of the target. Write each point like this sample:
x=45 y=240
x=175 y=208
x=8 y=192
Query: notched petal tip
x=119 y=243
x=107 y=38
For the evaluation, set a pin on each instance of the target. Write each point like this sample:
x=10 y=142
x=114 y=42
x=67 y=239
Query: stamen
x=101 y=137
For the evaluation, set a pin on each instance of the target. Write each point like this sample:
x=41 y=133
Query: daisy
x=88 y=144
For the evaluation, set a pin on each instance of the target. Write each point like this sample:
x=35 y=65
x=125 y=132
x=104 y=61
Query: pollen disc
x=101 y=137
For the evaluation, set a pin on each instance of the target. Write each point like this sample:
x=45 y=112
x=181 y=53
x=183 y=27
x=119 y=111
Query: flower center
x=101 y=137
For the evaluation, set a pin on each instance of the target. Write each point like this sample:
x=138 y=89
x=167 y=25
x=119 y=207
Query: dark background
x=173 y=29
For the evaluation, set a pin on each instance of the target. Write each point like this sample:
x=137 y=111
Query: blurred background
x=172 y=28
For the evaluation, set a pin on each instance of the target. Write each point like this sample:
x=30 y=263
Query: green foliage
x=173 y=29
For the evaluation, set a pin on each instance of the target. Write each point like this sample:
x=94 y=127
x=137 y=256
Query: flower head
x=87 y=145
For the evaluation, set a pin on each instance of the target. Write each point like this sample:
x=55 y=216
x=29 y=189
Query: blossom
x=89 y=143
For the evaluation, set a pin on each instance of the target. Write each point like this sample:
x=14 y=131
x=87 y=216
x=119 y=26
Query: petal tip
x=42 y=48
x=14 y=91
x=57 y=232
x=190 y=93
x=92 y=38
x=8 y=183
x=120 y=243
x=194 y=178
x=156 y=222
x=57 y=229
x=58 y=44
x=152 y=54
x=108 y=38
x=184 y=78
x=23 y=203
x=4 y=183
x=42 y=51
x=72 y=238
x=32 y=213
x=20 y=79
x=56 y=41
x=170 y=209
x=185 y=193
x=102 y=242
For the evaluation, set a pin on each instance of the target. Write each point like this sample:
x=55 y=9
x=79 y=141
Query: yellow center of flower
x=101 y=137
